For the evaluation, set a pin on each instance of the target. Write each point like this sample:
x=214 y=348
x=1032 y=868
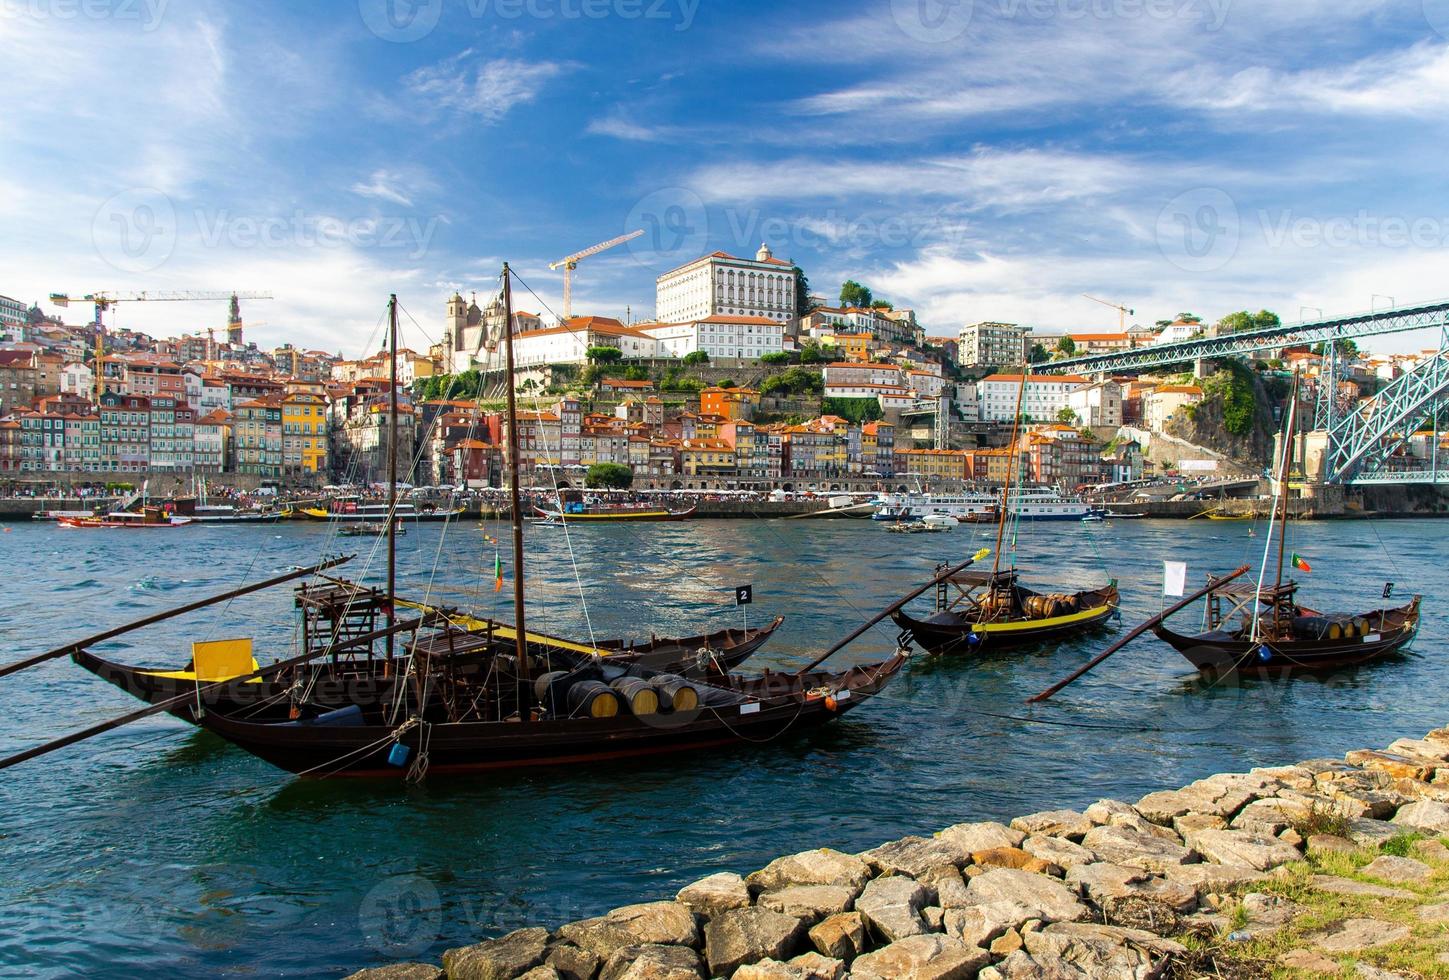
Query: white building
x=722 y=284
x=747 y=337
x=849 y=373
x=569 y=344
x=1163 y=403
x=1045 y=396
x=1097 y=404
x=992 y=345
x=77 y=379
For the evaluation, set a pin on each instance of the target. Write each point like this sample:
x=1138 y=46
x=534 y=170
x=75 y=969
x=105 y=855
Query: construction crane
x=1122 y=312
x=572 y=262
x=103 y=301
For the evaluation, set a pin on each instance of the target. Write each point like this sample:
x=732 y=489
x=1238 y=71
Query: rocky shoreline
x=1324 y=868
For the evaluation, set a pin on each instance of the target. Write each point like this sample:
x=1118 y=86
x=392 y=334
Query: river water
x=158 y=849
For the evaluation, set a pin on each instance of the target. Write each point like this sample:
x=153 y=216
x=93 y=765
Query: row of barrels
x=596 y=699
x=1329 y=628
x=1049 y=606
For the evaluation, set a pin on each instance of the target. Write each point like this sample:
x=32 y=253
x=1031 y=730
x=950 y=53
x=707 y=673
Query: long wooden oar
x=889 y=610
x=1175 y=607
x=169 y=703
x=81 y=644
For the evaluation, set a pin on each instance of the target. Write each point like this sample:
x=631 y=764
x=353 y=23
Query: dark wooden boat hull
x=269 y=700
x=1221 y=652
x=953 y=633
x=614 y=517
x=471 y=747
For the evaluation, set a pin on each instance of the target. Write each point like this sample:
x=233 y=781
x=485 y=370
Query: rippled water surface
x=158 y=849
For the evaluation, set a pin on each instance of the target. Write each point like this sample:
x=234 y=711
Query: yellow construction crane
x=104 y=301
x=572 y=262
x=1122 y=312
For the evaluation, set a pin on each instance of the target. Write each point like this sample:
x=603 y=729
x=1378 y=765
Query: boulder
x=1435 y=913
x=1372 y=790
x=814 y=966
x=653 y=962
x=400 y=971
x=1424 y=748
x=717 y=893
x=1268 y=914
x=921 y=958
x=1208 y=878
x=1367 y=832
x=547 y=972
x=648 y=924
x=892 y=907
x=983 y=836
x=1433 y=850
x=1271 y=816
x=1425 y=815
x=573 y=963
x=950 y=887
x=1398 y=766
x=1215 y=798
x=1356 y=935
x=1330 y=844
x=1007 y=943
x=840 y=937
x=1049 y=897
x=1191 y=822
x=915 y=856
x=1398 y=870
x=768 y=970
x=1066 y=951
x=1107 y=883
x=1015 y=857
x=809 y=903
x=978 y=925
x=1244 y=849
x=820 y=867
x=1119 y=845
x=1053 y=823
x=1359 y=889
x=498 y=959
x=741 y=936
x=1103 y=811
x=1309 y=961
x=1058 y=851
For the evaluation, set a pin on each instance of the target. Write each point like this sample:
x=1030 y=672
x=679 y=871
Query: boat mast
x=1283 y=470
x=520 y=632
x=391 y=467
x=1011 y=456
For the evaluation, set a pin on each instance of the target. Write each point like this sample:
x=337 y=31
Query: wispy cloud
x=382 y=185
x=488 y=89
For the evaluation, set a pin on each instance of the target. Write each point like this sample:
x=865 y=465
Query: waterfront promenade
x=1328 y=867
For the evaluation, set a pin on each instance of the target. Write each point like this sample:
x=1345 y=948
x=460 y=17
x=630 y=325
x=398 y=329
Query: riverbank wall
x=1334 y=867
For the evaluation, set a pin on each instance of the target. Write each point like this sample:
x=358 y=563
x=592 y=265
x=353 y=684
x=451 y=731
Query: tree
x=1243 y=321
x=810 y=353
x=802 y=293
x=775 y=357
x=726 y=383
x=853 y=293
x=604 y=355
x=1066 y=346
x=611 y=476
x=882 y=304
x=696 y=357
x=1067 y=417
x=1038 y=354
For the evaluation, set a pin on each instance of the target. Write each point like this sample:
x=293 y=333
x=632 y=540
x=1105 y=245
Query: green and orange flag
x=1300 y=564
x=498 y=571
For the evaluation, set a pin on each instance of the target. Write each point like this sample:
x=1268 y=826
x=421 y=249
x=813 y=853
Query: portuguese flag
x=498 y=571
x=1300 y=564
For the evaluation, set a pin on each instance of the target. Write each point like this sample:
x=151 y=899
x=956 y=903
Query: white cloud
x=382 y=185
x=488 y=89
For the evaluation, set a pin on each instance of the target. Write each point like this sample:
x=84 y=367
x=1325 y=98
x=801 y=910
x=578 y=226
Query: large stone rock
x=1357 y=935
x=1053 y=823
x=1106 y=883
x=400 y=971
x=1118 y=845
x=1191 y=823
x=717 y=893
x=1067 y=951
x=1242 y=848
x=1359 y=889
x=653 y=962
x=1373 y=790
x=841 y=937
x=1049 y=897
x=921 y=958
x=498 y=959
x=1271 y=816
x=1216 y=798
x=983 y=836
x=1424 y=748
x=1368 y=832
x=978 y=925
x=822 y=867
x=1424 y=815
x=1330 y=844
x=1058 y=851
x=950 y=887
x=808 y=903
x=1398 y=870
x=741 y=936
x=1015 y=857
x=1308 y=961
x=573 y=963
x=892 y=907
x=546 y=972
x=1103 y=811
x=1398 y=766
x=814 y=966
x=915 y=856
x=648 y=924
x=1209 y=878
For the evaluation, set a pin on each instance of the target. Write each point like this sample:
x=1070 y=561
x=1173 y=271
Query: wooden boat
x=368 y=530
x=147 y=518
x=610 y=514
x=355 y=509
x=992 y=611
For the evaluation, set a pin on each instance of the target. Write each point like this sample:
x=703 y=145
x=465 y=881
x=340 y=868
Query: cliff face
x=1233 y=399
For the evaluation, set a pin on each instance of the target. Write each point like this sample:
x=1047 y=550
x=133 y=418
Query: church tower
x=234 y=323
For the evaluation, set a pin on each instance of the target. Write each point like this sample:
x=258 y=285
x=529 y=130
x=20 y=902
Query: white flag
x=1174 y=578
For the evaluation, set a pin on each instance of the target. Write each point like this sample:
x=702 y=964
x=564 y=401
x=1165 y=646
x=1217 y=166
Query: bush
x=612 y=476
x=604 y=355
x=696 y=357
x=797 y=380
x=857 y=410
x=776 y=357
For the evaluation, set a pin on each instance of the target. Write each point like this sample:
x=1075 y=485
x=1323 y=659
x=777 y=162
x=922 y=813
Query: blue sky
x=977 y=160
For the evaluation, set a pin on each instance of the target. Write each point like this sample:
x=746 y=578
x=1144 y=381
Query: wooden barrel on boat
x=1361 y=626
x=593 y=699
x=639 y=695
x=551 y=689
x=675 y=693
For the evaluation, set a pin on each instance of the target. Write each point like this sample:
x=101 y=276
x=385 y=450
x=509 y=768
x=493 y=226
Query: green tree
x=604 y=355
x=882 y=304
x=853 y=293
x=612 y=476
x=802 y=293
x=726 y=383
x=1066 y=346
x=1039 y=354
x=1067 y=417
x=797 y=380
x=810 y=353
x=775 y=357
x=695 y=357
x=1244 y=321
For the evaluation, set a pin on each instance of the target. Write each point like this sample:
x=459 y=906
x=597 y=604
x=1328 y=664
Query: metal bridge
x=1371 y=324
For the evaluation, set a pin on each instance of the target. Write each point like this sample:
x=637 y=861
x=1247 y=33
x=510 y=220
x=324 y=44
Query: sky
x=970 y=159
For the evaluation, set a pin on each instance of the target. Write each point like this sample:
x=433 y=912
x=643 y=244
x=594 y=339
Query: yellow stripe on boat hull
x=633 y=515
x=1036 y=624
x=475 y=625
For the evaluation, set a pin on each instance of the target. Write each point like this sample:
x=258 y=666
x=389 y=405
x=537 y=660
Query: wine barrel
x=638 y=694
x=1361 y=626
x=593 y=699
x=675 y=693
x=551 y=689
